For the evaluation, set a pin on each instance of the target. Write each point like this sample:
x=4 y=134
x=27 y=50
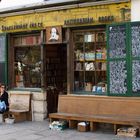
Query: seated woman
x=4 y=97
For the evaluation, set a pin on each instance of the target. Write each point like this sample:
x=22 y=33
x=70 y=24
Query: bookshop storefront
x=88 y=61
x=50 y=49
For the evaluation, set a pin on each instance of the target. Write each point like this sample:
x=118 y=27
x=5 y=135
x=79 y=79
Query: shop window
x=124 y=59
x=27 y=62
x=90 y=62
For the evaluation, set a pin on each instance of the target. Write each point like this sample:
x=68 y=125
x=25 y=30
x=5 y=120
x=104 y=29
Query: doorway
x=56 y=74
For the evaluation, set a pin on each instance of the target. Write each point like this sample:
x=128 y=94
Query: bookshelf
x=90 y=61
x=56 y=68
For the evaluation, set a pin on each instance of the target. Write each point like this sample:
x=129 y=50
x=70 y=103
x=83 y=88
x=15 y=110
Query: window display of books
x=90 y=61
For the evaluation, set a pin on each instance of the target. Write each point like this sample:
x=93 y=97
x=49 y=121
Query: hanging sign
x=54 y=35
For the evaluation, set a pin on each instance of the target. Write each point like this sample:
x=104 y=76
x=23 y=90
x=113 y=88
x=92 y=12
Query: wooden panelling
x=100 y=105
x=98 y=109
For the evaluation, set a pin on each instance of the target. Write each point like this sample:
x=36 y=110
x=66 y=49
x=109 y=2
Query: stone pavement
x=41 y=131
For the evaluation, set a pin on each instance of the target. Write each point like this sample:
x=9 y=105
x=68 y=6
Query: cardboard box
x=83 y=127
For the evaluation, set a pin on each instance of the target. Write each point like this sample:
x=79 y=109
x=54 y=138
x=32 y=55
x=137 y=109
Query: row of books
x=90 y=66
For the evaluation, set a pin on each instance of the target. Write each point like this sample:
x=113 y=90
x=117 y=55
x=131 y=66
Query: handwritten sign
x=118 y=77
x=117 y=41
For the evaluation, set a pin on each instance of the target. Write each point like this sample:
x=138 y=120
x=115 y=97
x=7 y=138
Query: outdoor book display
x=124 y=59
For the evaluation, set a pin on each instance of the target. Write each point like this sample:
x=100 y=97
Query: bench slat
x=97 y=118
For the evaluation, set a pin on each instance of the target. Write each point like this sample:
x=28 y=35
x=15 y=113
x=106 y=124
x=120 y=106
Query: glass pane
x=78 y=63
x=89 y=80
x=27 y=67
x=136 y=76
x=79 y=54
x=90 y=37
x=89 y=62
x=118 y=77
x=135 y=34
x=89 y=47
x=79 y=37
x=78 y=80
x=100 y=37
x=117 y=41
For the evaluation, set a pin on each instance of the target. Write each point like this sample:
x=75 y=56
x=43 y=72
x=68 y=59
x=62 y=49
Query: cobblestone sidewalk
x=41 y=131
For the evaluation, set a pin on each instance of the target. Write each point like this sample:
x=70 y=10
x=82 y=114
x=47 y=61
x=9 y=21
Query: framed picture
x=54 y=35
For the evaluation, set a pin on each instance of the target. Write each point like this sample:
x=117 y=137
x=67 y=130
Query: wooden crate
x=129 y=132
x=83 y=128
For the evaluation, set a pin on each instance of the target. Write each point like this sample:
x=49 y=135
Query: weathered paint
x=120 y=11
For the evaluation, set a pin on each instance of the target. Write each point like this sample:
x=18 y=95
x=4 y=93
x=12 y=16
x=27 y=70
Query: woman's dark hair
x=2 y=85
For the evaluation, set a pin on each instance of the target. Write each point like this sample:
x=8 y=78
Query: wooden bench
x=98 y=109
x=20 y=106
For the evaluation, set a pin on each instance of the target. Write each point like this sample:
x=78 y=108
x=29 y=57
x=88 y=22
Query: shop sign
x=106 y=18
x=78 y=21
x=54 y=35
x=21 y=26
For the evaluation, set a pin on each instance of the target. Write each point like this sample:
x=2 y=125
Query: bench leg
x=5 y=115
x=116 y=126
x=93 y=126
x=138 y=130
x=50 y=120
x=72 y=124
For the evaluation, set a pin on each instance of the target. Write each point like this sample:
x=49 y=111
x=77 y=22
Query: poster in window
x=54 y=35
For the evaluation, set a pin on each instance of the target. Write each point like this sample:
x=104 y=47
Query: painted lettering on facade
x=21 y=26
x=78 y=21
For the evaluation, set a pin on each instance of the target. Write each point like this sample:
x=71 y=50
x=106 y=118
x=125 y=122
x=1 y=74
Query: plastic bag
x=2 y=106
